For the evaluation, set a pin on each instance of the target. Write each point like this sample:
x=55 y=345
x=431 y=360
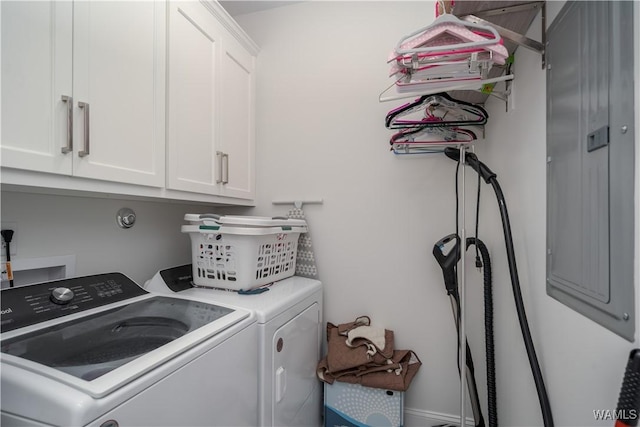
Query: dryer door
x=296 y=390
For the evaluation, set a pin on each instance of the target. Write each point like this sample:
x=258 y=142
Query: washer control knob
x=61 y=295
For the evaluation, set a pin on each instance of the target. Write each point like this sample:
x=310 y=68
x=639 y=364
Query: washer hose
x=490 y=178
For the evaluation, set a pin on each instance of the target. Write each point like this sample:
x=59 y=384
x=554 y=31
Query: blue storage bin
x=352 y=405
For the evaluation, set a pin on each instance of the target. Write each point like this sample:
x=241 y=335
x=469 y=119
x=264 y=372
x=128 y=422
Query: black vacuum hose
x=522 y=315
x=490 y=178
x=488 y=330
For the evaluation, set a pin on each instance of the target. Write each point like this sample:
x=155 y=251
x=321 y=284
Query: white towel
x=375 y=336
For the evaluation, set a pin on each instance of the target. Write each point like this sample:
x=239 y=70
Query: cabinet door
x=237 y=122
x=192 y=121
x=119 y=71
x=36 y=73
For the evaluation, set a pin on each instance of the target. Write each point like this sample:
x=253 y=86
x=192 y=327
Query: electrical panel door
x=590 y=162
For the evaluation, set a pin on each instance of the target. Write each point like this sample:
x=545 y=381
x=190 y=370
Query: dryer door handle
x=281 y=383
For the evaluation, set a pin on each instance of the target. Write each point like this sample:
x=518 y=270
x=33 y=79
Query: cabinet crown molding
x=231 y=25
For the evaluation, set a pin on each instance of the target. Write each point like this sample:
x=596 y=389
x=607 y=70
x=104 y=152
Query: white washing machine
x=101 y=351
x=289 y=316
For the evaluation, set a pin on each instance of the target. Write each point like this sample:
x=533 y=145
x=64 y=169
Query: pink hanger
x=432 y=136
x=415 y=66
x=463 y=36
x=449 y=37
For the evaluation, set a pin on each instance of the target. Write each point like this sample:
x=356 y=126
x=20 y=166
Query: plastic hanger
x=429 y=136
x=448 y=24
x=416 y=64
x=401 y=150
x=475 y=84
x=436 y=110
x=449 y=52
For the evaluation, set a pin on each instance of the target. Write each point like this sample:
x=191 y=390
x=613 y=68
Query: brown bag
x=360 y=364
x=341 y=356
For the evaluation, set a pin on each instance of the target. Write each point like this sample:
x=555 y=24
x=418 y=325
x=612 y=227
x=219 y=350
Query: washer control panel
x=28 y=305
x=178 y=278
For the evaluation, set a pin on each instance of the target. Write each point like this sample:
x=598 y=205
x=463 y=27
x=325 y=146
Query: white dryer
x=289 y=316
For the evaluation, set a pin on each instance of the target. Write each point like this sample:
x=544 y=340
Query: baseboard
x=422 y=418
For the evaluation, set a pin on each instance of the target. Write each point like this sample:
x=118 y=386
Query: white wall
x=321 y=135
x=52 y=225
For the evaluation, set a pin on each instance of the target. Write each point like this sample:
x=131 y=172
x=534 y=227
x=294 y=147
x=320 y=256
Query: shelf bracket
x=510 y=35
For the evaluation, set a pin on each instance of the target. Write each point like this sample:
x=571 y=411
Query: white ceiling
x=240 y=7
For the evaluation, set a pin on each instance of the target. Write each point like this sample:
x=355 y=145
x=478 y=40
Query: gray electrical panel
x=590 y=162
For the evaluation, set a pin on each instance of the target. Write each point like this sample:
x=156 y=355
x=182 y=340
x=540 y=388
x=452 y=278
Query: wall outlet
x=14 y=241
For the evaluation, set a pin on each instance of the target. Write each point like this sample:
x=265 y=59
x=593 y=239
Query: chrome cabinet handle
x=85 y=107
x=69 y=147
x=225 y=158
x=219 y=155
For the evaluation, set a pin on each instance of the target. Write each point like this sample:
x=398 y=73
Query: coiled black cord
x=482 y=260
x=492 y=397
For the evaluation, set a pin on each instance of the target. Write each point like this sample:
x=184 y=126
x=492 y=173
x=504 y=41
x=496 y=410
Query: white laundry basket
x=244 y=221
x=243 y=256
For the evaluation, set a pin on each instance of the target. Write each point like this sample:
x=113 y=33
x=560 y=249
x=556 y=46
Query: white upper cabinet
x=194 y=42
x=36 y=74
x=237 y=122
x=119 y=90
x=139 y=98
x=211 y=103
x=83 y=89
